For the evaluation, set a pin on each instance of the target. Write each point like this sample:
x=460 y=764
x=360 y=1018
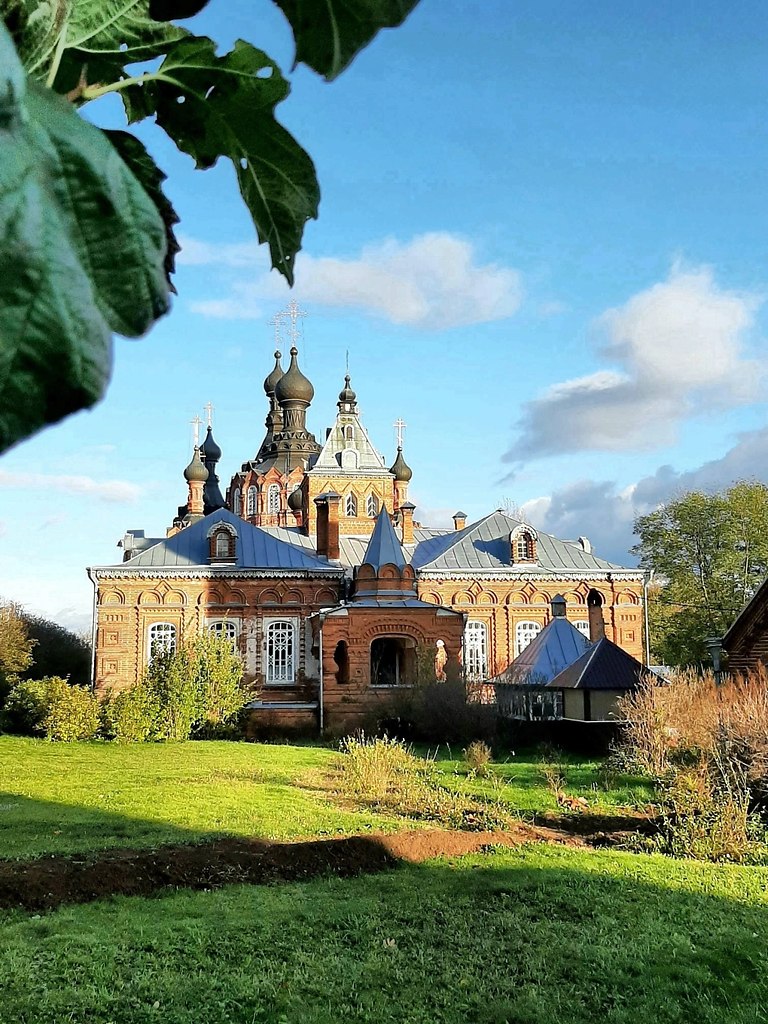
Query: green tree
x=87 y=239
x=15 y=646
x=58 y=651
x=709 y=553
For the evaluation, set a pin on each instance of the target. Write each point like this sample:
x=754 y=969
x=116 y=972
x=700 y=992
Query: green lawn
x=534 y=936
x=72 y=797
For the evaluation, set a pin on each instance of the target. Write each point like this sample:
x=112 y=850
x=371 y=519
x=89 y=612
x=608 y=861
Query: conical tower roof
x=384 y=548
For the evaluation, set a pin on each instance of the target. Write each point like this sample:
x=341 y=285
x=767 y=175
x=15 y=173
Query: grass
x=74 y=797
x=538 y=935
x=517 y=783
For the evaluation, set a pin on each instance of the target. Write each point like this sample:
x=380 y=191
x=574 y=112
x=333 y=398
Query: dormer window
x=523 y=542
x=222 y=538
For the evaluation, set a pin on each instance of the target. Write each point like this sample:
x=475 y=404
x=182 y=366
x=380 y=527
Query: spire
x=196 y=475
x=384 y=548
x=274 y=420
x=270 y=383
x=210 y=454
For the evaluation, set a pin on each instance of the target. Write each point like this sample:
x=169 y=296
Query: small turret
x=400 y=468
x=196 y=476
x=210 y=454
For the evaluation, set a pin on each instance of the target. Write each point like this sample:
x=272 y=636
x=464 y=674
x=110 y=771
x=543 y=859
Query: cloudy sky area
x=541 y=243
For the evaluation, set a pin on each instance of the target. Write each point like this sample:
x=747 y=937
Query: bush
x=478 y=757
x=54 y=708
x=130 y=716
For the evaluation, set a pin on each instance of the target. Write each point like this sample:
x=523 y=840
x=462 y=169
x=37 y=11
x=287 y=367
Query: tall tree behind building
x=709 y=553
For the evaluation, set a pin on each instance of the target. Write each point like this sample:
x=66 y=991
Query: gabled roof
x=605 y=666
x=384 y=548
x=255 y=548
x=484 y=546
x=556 y=647
x=749 y=615
x=330 y=458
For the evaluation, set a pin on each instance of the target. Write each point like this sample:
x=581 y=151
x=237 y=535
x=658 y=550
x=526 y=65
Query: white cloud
x=598 y=509
x=679 y=348
x=117 y=491
x=432 y=282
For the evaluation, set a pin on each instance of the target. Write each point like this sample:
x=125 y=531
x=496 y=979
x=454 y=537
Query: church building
x=313 y=564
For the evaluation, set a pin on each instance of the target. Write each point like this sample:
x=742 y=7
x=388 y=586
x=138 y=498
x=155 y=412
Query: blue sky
x=542 y=240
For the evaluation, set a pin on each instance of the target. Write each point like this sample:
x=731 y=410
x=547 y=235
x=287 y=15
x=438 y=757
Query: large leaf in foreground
x=225 y=106
x=82 y=256
x=330 y=34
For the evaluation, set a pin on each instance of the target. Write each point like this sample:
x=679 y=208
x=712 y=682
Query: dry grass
x=478 y=757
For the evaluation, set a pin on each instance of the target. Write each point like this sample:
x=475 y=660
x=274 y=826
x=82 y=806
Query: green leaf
x=224 y=106
x=330 y=34
x=61 y=37
x=151 y=178
x=82 y=256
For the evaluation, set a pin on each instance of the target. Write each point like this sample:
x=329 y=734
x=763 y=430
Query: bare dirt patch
x=51 y=881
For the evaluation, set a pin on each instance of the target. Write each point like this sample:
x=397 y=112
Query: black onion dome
x=196 y=471
x=209 y=450
x=400 y=468
x=293 y=386
x=296 y=500
x=347 y=394
x=270 y=382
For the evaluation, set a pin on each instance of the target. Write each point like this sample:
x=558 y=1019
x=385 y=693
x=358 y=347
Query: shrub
x=478 y=757
x=54 y=708
x=130 y=716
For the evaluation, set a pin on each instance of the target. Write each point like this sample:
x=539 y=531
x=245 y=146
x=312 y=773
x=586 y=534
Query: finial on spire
x=292 y=314
x=196 y=423
x=400 y=426
x=209 y=413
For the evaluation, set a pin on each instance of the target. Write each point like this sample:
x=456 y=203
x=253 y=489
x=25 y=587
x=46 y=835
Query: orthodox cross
x=400 y=426
x=294 y=314
x=209 y=413
x=196 y=430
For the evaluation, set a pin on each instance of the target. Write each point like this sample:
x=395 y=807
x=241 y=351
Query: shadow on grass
x=534 y=936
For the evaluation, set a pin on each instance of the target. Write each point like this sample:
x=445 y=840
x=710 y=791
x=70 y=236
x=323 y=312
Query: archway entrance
x=393 y=661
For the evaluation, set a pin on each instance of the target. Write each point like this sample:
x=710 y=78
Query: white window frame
x=350 y=505
x=583 y=627
x=525 y=633
x=161 y=637
x=237 y=502
x=372 y=506
x=226 y=627
x=280 y=670
x=251 y=503
x=476 y=651
x=273 y=499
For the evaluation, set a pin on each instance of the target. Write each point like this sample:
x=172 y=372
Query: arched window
x=251 y=507
x=350 y=505
x=524 y=547
x=583 y=626
x=273 y=499
x=348 y=432
x=476 y=651
x=222 y=543
x=237 y=502
x=224 y=628
x=161 y=639
x=372 y=506
x=280 y=650
x=524 y=633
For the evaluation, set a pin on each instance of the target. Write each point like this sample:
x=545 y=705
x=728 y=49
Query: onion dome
x=347 y=394
x=270 y=382
x=196 y=471
x=293 y=386
x=400 y=468
x=296 y=500
x=209 y=450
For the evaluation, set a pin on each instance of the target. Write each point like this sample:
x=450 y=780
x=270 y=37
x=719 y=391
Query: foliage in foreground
x=16 y=646
x=78 y=202
x=53 y=708
x=708 y=745
x=533 y=936
x=386 y=774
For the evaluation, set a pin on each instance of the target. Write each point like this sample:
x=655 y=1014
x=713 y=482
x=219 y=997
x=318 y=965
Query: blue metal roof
x=556 y=647
x=255 y=548
x=384 y=548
